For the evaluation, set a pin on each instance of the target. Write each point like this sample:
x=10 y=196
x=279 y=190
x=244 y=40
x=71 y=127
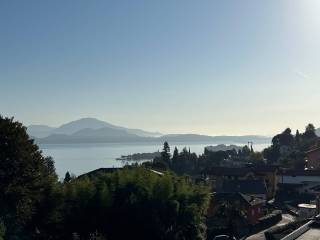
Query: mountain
x=214 y=139
x=83 y=123
x=185 y=138
x=41 y=131
x=318 y=132
x=109 y=135
x=91 y=130
x=86 y=137
x=103 y=132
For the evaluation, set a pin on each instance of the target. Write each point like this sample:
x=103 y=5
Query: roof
x=295 y=172
x=252 y=200
x=308 y=231
x=240 y=171
x=311 y=234
x=265 y=168
x=243 y=186
x=244 y=199
x=156 y=172
x=98 y=171
x=229 y=171
x=289 y=186
x=313 y=150
x=111 y=170
x=307 y=205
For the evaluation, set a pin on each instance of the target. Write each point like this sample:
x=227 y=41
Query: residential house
x=267 y=174
x=313 y=158
x=253 y=188
x=217 y=174
x=300 y=181
x=250 y=206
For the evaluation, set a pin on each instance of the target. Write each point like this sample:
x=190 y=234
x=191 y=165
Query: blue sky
x=211 y=67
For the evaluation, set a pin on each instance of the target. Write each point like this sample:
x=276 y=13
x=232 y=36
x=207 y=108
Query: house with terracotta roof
x=250 y=206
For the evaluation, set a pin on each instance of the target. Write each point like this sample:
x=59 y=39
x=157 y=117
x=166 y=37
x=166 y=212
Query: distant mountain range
x=87 y=124
x=90 y=130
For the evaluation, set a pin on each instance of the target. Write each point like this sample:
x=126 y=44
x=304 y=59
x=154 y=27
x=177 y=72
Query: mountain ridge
x=91 y=130
x=41 y=131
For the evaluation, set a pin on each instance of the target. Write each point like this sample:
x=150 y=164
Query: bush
x=133 y=203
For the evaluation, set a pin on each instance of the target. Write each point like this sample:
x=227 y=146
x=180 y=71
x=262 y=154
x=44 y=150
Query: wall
x=313 y=160
x=254 y=213
x=298 y=179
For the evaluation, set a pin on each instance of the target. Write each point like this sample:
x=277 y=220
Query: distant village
x=228 y=192
x=250 y=194
x=275 y=198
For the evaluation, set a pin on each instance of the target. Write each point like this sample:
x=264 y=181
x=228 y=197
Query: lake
x=82 y=158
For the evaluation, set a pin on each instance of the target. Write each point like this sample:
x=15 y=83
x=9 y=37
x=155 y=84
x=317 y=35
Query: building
x=99 y=171
x=253 y=188
x=313 y=158
x=267 y=174
x=218 y=174
x=297 y=186
x=250 y=206
x=306 y=210
x=302 y=181
x=309 y=231
x=292 y=176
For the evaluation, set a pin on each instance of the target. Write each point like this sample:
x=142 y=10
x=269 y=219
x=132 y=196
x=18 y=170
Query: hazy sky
x=211 y=67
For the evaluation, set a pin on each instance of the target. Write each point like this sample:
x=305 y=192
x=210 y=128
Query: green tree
x=25 y=177
x=155 y=207
x=175 y=159
x=310 y=132
x=175 y=153
x=245 y=151
x=256 y=158
x=297 y=139
x=2 y=230
x=67 y=177
x=165 y=154
x=284 y=139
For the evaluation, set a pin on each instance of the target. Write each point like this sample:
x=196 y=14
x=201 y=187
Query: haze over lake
x=81 y=158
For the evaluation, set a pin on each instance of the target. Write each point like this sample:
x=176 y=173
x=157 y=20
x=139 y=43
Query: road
x=286 y=218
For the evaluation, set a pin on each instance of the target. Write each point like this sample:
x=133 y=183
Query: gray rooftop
x=311 y=234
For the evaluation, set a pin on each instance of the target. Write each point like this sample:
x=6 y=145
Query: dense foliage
x=25 y=179
x=288 y=150
x=186 y=162
x=134 y=203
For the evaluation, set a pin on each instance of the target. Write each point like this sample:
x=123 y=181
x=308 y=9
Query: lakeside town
x=159 y=120
x=228 y=191
x=254 y=195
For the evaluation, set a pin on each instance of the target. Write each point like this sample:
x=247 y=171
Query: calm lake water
x=82 y=158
